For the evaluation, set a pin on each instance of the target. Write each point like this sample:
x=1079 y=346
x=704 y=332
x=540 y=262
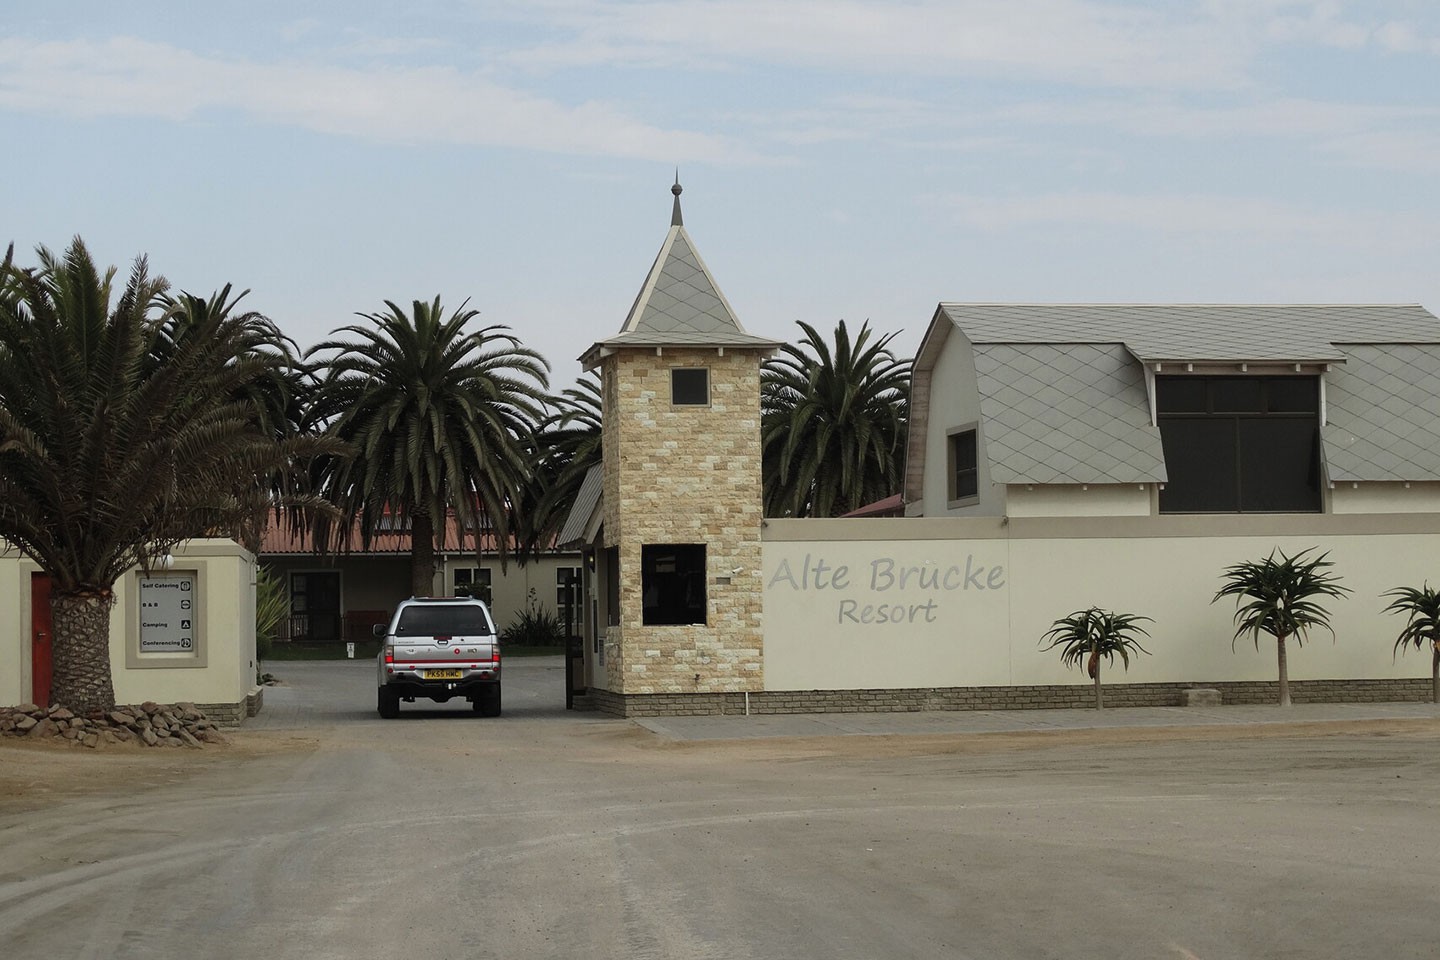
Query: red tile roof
x=892 y=506
x=282 y=538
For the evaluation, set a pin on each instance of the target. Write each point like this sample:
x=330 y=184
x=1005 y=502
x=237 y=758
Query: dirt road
x=326 y=832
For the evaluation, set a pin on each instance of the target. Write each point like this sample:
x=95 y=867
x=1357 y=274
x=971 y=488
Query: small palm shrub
x=536 y=626
x=271 y=607
x=1422 y=626
x=1281 y=601
x=1094 y=633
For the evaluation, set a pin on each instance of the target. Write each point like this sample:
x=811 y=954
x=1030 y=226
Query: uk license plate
x=443 y=674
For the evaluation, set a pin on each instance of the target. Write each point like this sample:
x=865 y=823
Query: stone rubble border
x=148 y=724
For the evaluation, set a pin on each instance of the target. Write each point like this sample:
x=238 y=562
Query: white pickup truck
x=437 y=649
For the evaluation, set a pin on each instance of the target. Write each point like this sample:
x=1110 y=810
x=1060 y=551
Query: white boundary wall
x=973 y=597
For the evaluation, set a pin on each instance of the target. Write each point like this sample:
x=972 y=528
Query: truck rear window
x=464 y=621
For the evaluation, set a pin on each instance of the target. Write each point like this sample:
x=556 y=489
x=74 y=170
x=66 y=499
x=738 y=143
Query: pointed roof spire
x=679 y=305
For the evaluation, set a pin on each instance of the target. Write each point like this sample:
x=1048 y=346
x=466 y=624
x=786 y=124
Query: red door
x=41 y=631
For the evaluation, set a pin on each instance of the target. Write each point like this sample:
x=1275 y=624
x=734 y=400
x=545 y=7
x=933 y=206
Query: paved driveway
x=326 y=832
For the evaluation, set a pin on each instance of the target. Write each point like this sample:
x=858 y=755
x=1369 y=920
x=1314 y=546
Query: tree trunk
x=1435 y=673
x=1092 y=667
x=1284 y=672
x=81 y=679
x=422 y=555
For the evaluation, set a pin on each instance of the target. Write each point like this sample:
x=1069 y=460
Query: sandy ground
x=36 y=774
x=325 y=832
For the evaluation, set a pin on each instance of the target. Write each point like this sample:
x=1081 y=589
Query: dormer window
x=1238 y=444
x=690 y=386
x=964 y=467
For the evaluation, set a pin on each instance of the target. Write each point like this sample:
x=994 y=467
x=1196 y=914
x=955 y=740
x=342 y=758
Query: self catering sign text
x=890 y=591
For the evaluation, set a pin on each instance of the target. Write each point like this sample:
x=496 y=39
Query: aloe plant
x=1281 y=601
x=1422 y=626
x=1094 y=633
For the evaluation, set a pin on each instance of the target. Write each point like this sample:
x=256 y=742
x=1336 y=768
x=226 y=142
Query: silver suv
x=436 y=649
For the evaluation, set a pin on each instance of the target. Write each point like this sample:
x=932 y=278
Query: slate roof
x=1228 y=333
x=1383 y=410
x=679 y=305
x=587 y=501
x=1074 y=413
x=1062 y=390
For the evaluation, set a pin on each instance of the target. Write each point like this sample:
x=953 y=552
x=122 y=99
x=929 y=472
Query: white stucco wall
x=955 y=404
x=223 y=669
x=1385 y=497
x=979 y=593
x=510 y=588
x=1080 y=500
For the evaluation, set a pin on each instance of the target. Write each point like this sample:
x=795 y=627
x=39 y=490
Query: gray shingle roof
x=1198 y=332
x=1062 y=393
x=679 y=305
x=1384 y=413
x=1066 y=414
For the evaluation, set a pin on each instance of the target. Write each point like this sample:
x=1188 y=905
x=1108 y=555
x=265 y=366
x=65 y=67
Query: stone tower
x=681 y=500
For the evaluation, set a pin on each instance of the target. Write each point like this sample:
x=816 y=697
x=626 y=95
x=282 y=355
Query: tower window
x=672 y=578
x=690 y=386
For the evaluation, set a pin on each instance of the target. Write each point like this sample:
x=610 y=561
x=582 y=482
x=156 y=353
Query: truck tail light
x=389 y=653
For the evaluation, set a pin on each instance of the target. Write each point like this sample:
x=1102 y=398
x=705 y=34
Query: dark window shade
x=1240 y=444
x=690 y=386
x=1236 y=395
x=672 y=579
x=1182 y=395
x=1279 y=465
x=1201 y=463
x=964 y=459
x=1292 y=395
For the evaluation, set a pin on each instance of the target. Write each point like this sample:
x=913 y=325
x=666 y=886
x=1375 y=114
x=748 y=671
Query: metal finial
x=675 y=220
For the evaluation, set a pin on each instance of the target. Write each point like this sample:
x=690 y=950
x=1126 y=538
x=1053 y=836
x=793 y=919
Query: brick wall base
x=1041 y=697
x=234 y=714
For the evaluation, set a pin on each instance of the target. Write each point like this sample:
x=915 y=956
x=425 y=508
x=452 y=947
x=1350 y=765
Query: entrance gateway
x=1041 y=478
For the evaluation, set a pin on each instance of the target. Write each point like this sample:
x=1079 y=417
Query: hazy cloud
x=1192 y=215
x=1078 y=41
x=132 y=77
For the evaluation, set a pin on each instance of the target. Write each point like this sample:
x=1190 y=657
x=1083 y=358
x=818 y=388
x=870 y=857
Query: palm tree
x=1092 y=634
x=276 y=397
x=566 y=446
x=1422 y=626
x=1281 y=601
x=121 y=436
x=438 y=420
x=832 y=423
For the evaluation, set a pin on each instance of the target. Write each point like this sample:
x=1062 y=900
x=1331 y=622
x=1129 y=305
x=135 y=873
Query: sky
x=841 y=159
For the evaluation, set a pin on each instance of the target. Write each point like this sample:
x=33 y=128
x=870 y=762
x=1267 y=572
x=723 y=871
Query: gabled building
x=1025 y=410
x=338 y=596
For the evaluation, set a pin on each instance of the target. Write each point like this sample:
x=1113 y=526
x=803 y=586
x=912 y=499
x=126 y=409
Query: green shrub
x=535 y=626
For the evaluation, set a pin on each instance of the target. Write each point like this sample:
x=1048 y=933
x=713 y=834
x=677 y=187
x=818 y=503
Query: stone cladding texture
x=685 y=475
x=1044 y=697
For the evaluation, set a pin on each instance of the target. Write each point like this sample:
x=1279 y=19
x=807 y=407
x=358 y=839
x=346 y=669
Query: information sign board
x=167 y=613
